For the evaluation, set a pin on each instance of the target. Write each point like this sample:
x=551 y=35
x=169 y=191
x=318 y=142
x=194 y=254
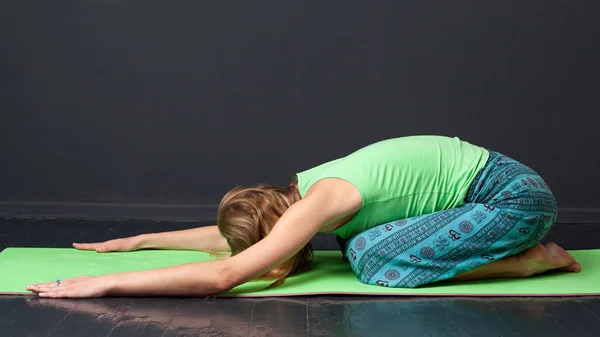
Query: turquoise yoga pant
x=508 y=209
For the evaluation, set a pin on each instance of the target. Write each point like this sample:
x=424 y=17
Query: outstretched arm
x=293 y=230
x=201 y=238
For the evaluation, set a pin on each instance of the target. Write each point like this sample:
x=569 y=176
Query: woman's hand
x=201 y=238
x=119 y=245
x=80 y=287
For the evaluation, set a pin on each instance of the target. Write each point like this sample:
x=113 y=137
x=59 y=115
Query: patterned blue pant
x=508 y=209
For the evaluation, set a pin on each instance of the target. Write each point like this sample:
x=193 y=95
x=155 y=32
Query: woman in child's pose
x=408 y=211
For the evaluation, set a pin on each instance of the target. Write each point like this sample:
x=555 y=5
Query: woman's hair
x=247 y=214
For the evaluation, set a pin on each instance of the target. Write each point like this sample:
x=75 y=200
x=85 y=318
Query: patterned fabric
x=508 y=209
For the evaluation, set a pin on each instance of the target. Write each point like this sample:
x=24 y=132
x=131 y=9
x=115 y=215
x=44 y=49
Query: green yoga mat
x=330 y=275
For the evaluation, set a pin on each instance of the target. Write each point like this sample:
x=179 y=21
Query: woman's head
x=247 y=214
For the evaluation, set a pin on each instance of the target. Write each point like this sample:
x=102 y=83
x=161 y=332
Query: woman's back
x=402 y=177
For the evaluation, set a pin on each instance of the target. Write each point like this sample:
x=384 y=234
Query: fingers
x=102 y=247
x=44 y=287
x=52 y=286
x=87 y=246
x=79 y=287
x=56 y=294
x=47 y=284
x=39 y=288
x=117 y=245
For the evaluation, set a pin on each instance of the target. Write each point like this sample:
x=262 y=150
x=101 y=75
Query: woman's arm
x=292 y=232
x=202 y=238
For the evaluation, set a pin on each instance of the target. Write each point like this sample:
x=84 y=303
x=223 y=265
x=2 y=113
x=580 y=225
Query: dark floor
x=300 y=316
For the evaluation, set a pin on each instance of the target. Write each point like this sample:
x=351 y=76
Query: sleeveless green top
x=402 y=178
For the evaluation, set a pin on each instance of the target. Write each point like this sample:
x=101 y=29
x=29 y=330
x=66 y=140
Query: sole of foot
x=541 y=258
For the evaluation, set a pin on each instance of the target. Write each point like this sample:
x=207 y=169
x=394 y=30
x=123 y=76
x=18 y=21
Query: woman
x=409 y=211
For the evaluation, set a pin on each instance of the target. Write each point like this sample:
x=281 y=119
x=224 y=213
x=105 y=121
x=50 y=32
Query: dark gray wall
x=174 y=102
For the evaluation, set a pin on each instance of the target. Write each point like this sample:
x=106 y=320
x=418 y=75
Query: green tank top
x=402 y=178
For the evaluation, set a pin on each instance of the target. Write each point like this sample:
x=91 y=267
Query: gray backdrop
x=155 y=108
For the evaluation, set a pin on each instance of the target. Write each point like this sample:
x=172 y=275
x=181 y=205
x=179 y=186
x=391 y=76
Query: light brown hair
x=247 y=214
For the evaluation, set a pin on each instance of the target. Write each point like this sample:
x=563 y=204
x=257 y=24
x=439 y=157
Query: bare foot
x=558 y=253
x=539 y=259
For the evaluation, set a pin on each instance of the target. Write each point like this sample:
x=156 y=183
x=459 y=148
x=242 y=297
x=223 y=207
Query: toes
x=575 y=267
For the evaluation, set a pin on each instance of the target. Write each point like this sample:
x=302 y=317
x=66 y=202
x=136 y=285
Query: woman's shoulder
x=337 y=193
